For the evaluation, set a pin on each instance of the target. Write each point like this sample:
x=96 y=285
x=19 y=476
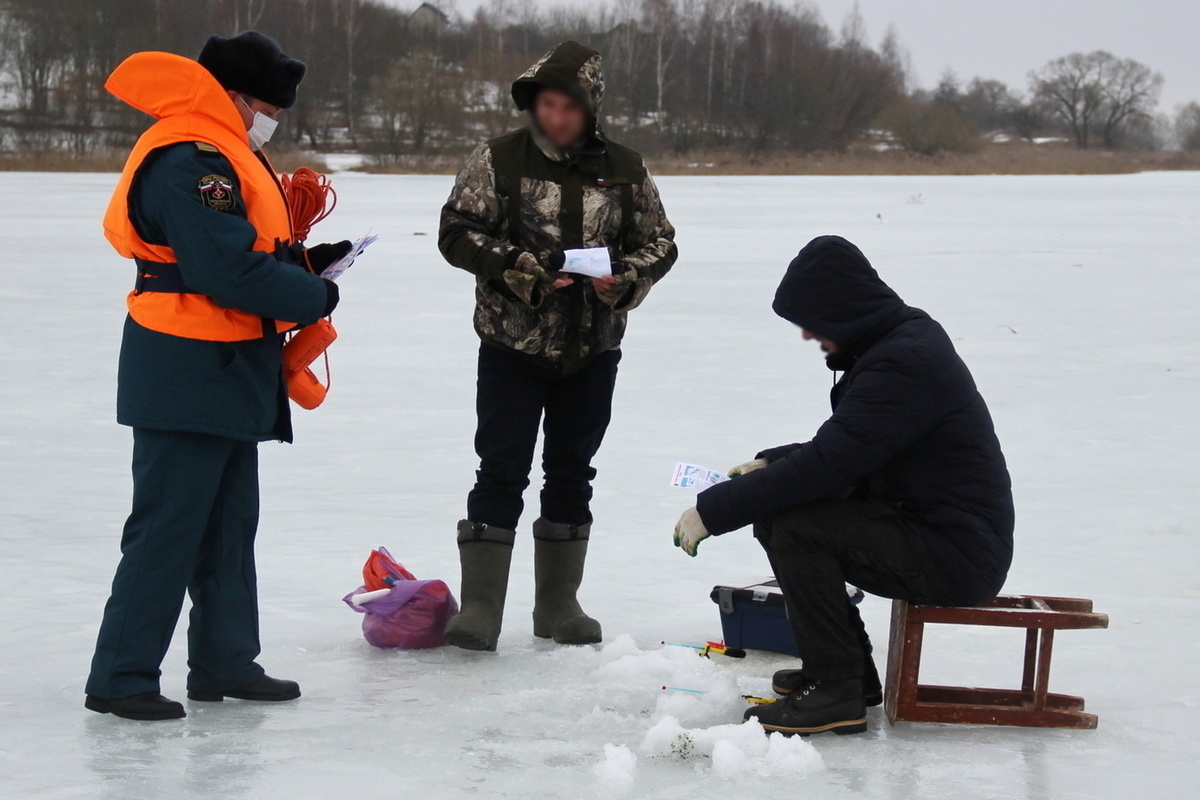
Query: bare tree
x=1131 y=90
x=1187 y=127
x=990 y=104
x=662 y=20
x=1070 y=87
x=37 y=49
x=857 y=87
x=948 y=91
x=247 y=14
x=350 y=32
x=1028 y=120
x=1097 y=94
x=896 y=56
x=854 y=29
x=418 y=106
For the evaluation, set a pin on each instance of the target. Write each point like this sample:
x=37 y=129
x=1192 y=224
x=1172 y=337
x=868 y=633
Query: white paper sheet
x=593 y=262
x=694 y=476
x=335 y=270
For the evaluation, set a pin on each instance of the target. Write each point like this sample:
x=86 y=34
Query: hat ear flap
x=294 y=70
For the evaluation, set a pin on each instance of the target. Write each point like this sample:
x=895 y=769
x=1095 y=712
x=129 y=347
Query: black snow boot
x=486 y=556
x=264 y=690
x=559 y=555
x=815 y=706
x=145 y=706
x=787 y=681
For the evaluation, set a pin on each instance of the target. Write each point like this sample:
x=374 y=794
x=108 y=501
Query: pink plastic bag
x=411 y=615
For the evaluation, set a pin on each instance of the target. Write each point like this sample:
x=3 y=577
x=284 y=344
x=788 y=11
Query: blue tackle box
x=753 y=617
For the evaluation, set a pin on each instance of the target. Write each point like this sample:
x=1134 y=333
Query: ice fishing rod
x=749 y=698
x=711 y=647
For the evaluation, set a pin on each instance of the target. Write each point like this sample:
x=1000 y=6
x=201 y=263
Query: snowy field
x=1073 y=299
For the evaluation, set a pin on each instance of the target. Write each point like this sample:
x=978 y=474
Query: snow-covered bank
x=1074 y=300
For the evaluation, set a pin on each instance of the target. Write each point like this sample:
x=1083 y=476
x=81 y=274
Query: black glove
x=321 y=256
x=331 y=297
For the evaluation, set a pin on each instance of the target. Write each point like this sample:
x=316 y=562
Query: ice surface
x=1074 y=300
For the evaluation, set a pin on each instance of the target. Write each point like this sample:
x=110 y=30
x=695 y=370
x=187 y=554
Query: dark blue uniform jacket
x=230 y=389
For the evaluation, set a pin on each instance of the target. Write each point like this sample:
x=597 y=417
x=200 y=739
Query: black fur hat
x=254 y=65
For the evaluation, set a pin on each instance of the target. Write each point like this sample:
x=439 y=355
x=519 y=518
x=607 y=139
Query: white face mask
x=262 y=129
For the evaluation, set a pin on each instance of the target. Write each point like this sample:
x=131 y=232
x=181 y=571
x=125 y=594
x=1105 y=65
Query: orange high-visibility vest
x=191 y=106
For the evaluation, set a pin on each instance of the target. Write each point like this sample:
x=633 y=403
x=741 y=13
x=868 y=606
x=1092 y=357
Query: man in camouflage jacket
x=550 y=341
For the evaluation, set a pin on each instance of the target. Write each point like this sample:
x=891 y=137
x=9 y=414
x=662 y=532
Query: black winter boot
x=787 y=681
x=146 y=706
x=816 y=706
x=264 y=690
x=486 y=556
x=559 y=555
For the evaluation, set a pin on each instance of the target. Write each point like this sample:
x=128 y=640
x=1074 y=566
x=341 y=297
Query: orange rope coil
x=310 y=196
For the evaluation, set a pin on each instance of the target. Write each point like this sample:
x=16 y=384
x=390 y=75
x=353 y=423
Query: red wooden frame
x=907 y=699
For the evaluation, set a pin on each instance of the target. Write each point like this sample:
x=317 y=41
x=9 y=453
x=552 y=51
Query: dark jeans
x=815 y=549
x=195 y=513
x=514 y=397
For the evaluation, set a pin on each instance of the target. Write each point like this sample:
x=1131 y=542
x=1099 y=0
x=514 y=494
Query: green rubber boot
x=486 y=555
x=559 y=555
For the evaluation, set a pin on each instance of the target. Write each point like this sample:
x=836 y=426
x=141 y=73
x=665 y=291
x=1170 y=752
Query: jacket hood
x=165 y=85
x=832 y=290
x=570 y=67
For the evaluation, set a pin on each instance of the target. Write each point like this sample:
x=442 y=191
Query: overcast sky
x=1007 y=38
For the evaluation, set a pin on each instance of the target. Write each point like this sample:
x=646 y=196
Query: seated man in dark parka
x=903 y=491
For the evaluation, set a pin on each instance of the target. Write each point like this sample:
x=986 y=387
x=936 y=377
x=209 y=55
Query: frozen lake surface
x=1073 y=299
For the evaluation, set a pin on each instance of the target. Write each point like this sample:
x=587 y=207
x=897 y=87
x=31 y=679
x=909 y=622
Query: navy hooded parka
x=908 y=425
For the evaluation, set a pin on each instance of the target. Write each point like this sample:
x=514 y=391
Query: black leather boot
x=264 y=690
x=146 y=706
x=485 y=554
x=786 y=681
x=560 y=552
x=815 y=706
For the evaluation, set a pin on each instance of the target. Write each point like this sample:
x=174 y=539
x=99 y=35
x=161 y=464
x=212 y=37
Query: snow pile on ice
x=627 y=673
x=703 y=695
x=615 y=772
x=734 y=750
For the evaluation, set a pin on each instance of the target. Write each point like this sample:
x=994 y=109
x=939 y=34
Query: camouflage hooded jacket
x=519 y=194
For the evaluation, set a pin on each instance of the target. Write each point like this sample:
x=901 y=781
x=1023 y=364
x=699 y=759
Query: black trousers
x=514 y=397
x=191 y=531
x=815 y=549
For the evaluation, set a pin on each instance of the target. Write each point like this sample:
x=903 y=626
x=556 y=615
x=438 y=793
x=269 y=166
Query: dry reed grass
x=995 y=159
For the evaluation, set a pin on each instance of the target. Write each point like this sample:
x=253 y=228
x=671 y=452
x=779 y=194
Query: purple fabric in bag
x=411 y=616
x=389 y=603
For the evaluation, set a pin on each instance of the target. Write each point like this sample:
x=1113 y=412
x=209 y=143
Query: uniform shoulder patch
x=205 y=147
x=216 y=192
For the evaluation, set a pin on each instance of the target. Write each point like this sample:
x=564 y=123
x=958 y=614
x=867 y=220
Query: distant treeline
x=682 y=76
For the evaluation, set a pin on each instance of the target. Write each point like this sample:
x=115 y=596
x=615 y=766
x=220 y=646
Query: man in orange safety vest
x=219 y=282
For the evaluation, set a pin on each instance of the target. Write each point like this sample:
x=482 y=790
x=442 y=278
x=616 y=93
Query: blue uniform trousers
x=195 y=513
